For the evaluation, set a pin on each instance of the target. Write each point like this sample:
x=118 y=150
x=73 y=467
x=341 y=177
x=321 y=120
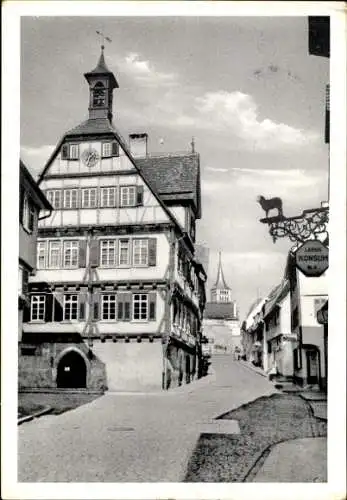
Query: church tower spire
x=101 y=82
x=220 y=292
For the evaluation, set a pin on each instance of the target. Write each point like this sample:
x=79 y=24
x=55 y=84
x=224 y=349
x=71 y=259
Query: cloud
x=36 y=158
x=237 y=114
x=144 y=72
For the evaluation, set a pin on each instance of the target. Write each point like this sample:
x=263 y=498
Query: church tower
x=220 y=292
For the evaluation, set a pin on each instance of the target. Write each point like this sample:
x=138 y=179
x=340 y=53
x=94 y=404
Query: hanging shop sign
x=312 y=258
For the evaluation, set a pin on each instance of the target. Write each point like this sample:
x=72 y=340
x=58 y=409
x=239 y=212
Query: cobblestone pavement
x=263 y=422
x=133 y=437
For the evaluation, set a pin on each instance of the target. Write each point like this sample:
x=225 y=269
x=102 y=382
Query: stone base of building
x=103 y=365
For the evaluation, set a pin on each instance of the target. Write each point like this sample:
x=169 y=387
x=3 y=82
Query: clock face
x=90 y=157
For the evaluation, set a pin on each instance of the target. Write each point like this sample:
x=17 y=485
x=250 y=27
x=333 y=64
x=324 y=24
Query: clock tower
x=101 y=84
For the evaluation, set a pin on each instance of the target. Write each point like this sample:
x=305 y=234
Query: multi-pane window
x=71 y=253
x=54 y=197
x=89 y=198
x=74 y=152
x=140 y=252
x=41 y=255
x=123 y=252
x=108 y=197
x=108 y=253
x=54 y=254
x=140 y=306
x=70 y=198
x=106 y=149
x=108 y=306
x=128 y=196
x=70 y=307
x=37 y=308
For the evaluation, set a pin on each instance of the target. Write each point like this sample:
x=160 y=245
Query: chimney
x=138 y=144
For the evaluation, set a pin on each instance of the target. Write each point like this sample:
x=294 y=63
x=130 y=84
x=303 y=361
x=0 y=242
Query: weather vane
x=104 y=37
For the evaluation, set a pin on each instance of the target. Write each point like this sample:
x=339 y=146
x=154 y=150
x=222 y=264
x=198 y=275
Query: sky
x=245 y=88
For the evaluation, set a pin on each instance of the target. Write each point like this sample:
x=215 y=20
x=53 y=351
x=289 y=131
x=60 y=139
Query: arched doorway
x=72 y=371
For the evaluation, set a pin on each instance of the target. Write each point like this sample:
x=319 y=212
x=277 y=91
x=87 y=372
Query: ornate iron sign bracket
x=300 y=228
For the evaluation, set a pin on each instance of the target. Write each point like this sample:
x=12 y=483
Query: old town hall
x=118 y=297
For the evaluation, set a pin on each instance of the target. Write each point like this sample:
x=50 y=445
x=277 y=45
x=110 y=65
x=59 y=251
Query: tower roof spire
x=220 y=283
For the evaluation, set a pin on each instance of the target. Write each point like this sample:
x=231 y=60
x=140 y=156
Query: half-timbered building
x=118 y=297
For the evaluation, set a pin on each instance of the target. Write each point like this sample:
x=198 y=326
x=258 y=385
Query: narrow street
x=134 y=437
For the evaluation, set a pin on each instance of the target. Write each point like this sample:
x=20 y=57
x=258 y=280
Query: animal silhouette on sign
x=270 y=204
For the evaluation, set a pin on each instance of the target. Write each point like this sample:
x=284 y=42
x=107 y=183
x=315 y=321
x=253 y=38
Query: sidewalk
x=299 y=460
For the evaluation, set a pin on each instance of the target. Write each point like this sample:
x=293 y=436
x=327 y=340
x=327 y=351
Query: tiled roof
x=175 y=177
x=219 y=310
x=92 y=126
x=275 y=296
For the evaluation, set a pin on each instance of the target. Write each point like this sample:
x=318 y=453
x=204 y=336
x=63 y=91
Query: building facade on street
x=118 y=297
x=286 y=333
x=279 y=342
x=221 y=321
x=31 y=202
x=308 y=295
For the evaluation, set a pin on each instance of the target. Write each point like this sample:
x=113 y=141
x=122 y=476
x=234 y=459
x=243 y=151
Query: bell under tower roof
x=220 y=283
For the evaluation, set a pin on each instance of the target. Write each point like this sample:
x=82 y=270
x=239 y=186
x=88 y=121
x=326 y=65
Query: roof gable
x=175 y=177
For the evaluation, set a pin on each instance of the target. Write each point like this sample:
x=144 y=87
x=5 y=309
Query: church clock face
x=90 y=157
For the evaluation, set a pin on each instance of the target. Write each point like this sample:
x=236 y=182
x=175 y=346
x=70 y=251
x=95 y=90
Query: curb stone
x=253 y=369
x=37 y=414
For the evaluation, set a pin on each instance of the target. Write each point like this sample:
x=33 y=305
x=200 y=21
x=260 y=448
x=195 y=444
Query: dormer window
x=99 y=95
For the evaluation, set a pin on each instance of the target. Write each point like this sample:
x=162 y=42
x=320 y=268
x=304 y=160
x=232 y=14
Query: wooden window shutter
x=94 y=253
x=58 y=306
x=82 y=306
x=115 y=148
x=65 y=152
x=152 y=299
x=48 y=307
x=21 y=203
x=139 y=195
x=120 y=306
x=25 y=282
x=152 y=251
x=82 y=259
x=26 y=312
x=96 y=306
x=127 y=307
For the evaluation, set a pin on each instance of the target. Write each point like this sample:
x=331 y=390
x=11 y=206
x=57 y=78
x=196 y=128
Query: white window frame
x=105 y=250
x=41 y=253
x=128 y=196
x=70 y=300
x=89 y=197
x=121 y=247
x=54 y=196
x=56 y=243
x=74 y=151
x=26 y=213
x=139 y=300
x=106 y=151
x=70 y=250
x=72 y=201
x=108 y=300
x=140 y=252
x=106 y=197
x=38 y=306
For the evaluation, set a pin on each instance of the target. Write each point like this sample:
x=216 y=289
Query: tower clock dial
x=90 y=157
